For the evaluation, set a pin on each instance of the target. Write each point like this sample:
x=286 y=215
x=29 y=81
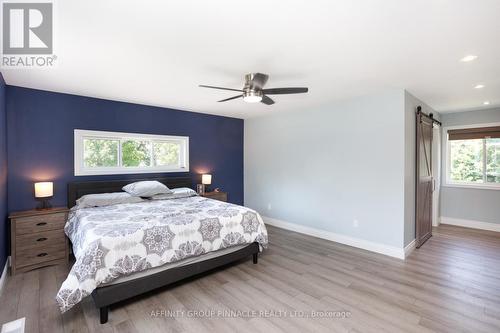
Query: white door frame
x=436 y=170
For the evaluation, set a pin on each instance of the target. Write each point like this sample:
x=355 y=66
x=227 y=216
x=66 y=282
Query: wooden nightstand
x=221 y=196
x=38 y=239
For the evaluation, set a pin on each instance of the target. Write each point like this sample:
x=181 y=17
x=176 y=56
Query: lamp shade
x=44 y=189
x=206 y=179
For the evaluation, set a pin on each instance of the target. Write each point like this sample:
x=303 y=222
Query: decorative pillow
x=106 y=199
x=181 y=192
x=146 y=188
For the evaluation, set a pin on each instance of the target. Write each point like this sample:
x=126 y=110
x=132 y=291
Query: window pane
x=493 y=160
x=466 y=161
x=100 y=153
x=136 y=153
x=166 y=153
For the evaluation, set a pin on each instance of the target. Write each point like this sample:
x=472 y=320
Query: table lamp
x=43 y=192
x=206 y=179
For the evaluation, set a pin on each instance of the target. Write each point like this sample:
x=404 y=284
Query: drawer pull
x=42 y=254
x=41 y=223
x=41 y=239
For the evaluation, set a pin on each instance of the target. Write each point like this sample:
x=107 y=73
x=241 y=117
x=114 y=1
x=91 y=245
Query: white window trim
x=447 y=148
x=80 y=169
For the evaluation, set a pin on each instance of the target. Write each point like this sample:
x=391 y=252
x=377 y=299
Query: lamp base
x=44 y=204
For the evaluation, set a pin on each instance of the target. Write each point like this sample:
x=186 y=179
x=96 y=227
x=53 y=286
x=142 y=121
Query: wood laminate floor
x=451 y=284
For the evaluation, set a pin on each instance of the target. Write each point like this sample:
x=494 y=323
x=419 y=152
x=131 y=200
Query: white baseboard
x=387 y=250
x=3 y=278
x=410 y=247
x=471 y=224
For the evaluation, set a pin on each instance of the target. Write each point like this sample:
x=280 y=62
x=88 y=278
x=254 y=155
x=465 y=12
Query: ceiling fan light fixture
x=253 y=91
x=252 y=96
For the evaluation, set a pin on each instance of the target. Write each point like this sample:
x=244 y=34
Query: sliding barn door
x=424 y=185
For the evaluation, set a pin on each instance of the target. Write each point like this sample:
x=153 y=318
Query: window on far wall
x=473 y=157
x=105 y=153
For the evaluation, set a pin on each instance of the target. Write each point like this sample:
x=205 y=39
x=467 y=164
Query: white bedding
x=180 y=263
x=119 y=240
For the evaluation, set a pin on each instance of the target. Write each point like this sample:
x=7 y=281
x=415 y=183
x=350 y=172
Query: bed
x=125 y=250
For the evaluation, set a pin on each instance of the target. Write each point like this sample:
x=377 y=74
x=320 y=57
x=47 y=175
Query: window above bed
x=106 y=153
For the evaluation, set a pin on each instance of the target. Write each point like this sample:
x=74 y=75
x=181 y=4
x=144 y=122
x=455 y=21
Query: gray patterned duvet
x=114 y=241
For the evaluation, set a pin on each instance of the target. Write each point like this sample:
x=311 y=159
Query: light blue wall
x=471 y=117
x=324 y=168
x=466 y=203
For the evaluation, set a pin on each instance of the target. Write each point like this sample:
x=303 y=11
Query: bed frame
x=108 y=295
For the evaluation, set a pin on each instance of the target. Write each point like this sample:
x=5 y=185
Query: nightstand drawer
x=36 y=224
x=40 y=240
x=221 y=196
x=33 y=256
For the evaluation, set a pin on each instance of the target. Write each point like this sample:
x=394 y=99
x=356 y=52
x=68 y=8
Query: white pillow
x=106 y=199
x=181 y=192
x=146 y=188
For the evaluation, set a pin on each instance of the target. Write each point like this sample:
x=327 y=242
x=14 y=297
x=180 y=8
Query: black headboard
x=78 y=189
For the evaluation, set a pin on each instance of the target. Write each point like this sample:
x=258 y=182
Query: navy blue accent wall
x=3 y=176
x=40 y=141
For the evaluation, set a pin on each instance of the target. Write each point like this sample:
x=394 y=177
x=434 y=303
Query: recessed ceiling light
x=469 y=58
x=486 y=102
x=479 y=86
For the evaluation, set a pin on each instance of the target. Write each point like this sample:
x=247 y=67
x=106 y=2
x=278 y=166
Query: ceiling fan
x=254 y=92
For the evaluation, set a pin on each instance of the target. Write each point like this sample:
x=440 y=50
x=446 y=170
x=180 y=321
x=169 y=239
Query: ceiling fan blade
x=230 y=98
x=259 y=80
x=281 y=91
x=266 y=100
x=204 y=86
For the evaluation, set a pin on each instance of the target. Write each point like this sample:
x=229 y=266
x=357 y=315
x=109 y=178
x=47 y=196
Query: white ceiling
x=157 y=52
